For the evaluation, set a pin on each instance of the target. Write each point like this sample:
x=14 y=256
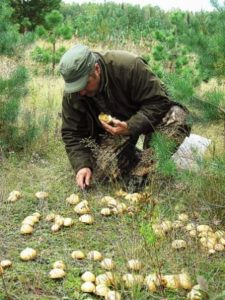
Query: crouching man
x=119 y=84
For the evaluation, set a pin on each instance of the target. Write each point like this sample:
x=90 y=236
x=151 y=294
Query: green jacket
x=129 y=92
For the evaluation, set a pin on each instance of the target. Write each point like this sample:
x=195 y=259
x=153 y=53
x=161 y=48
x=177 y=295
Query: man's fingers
x=87 y=179
x=83 y=177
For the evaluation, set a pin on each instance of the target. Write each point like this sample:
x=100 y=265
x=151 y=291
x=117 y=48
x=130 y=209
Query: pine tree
x=31 y=13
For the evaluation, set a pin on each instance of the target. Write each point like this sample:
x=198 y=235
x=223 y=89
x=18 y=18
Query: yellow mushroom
x=105 y=118
x=107 y=264
x=105 y=211
x=14 y=196
x=26 y=229
x=113 y=295
x=88 y=277
x=88 y=287
x=59 y=264
x=28 y=254
x=101 y=290
x=77 y=254
x=5 y=263
x=179 y=244
x=183 y=217
x=134 y=265
x=82 y=208
x=67 y=222
x=94 y=255
x=41 y=195
x=73 y=199
x=87 y=219
x=57 y=273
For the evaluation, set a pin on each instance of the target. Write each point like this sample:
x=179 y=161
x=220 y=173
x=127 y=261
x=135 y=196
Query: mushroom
x=67 y=222
x=103 y=279
x=190 y=226
x=59 y=264
x=28 y=254
x=106 y=211
x=26 y=229
x=57 y=273
x=134 y=197
x=42 y=195
x=219 y=247
x=88 y=287
x=166 y=226
x=5 y=263
x=134 y=265
x=172 y=281
x=105 y=118
x=73 y=199
x=88 y=277
x=185 y=281
x=183 y=217
x=179 y=244
x=37 y=214
x=77 y=254
x=201 y=228
x=59 y=220
x=109 y=201
x=55 y=228
x=132 y=280
x=193 y=233
x=107 y=264
x=87 y=219
x=14 y=196
x=101 y=290
x=82 y=208
x=50 y=217
x=208 y=242
x=94 y=255
x=195 y=293
x=220 y=234
x=113 y=295
x=121 y=193
x=177 y=224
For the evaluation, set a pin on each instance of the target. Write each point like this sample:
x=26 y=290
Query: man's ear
x=97 y=68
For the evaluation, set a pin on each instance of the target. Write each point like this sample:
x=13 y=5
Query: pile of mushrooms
x=28 y=223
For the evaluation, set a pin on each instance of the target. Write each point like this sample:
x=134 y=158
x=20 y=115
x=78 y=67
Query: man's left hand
x=118 y=128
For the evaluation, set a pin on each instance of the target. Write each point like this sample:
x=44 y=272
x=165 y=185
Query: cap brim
x=76 y=86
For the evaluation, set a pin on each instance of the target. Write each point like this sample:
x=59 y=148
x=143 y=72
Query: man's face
x=93 y=83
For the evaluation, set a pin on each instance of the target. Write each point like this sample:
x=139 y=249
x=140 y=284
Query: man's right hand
x=83 y=177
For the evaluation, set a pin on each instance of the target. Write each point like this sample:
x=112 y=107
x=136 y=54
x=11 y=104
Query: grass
x=44 y=166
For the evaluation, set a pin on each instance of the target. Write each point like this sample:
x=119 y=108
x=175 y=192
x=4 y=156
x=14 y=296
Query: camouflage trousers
x=118 y=156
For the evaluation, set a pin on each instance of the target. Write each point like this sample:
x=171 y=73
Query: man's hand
x=119 y=128
x=83 y=177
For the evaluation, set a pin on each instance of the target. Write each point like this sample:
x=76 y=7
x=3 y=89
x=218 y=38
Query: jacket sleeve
x=149 y=96
x=74 y=130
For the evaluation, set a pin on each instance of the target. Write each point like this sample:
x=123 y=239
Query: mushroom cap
x=179 y=244
x=59 y=264
x=88 y=277
x=101 y=290
x=57 y=273
x=67 y=222
x=73 y=199
x=28 y=254
x=113 y=295
x=94 y=255
x=77 y=254
x=41 y=195
x=87 y=219
x=5 y=263
x=107 y=264
x=88 y=287
x=26 y=229
x=134 y=264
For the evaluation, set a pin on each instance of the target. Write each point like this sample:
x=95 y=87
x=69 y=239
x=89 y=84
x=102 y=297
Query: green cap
x=75 y=67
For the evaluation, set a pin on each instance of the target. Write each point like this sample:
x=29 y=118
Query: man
x=119 y=84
